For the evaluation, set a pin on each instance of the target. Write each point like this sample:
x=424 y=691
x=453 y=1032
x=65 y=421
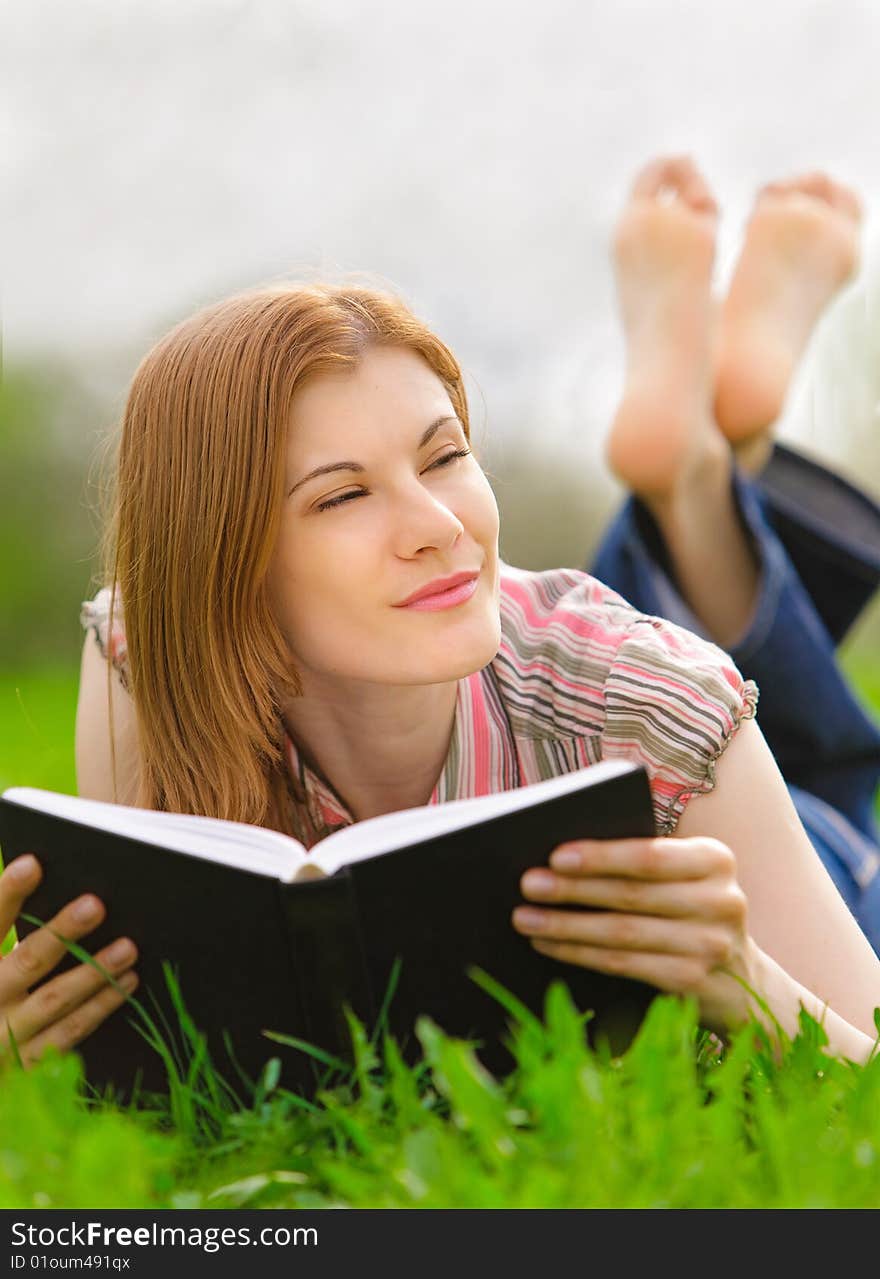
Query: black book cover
x=254 y=953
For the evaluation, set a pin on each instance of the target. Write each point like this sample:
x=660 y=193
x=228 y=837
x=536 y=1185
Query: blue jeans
x=817 y=542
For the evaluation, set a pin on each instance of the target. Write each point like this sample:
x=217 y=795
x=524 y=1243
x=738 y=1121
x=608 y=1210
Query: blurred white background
x=471 y=153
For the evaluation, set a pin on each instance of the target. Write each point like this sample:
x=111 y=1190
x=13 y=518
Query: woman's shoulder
x=560 y=602
x=102 y=615
x=569 y=614
x=576 y=659
x=563 y=622
x=560 y=631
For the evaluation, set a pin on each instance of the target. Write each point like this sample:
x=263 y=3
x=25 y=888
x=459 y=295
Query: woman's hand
x=665 y=911
x=66 y=1009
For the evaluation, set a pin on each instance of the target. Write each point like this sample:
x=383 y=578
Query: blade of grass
x=291 y=1041
x=13 y=1044
x=390 y=989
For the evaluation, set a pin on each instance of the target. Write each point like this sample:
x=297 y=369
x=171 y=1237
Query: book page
x=396 y=830
x=266 y=852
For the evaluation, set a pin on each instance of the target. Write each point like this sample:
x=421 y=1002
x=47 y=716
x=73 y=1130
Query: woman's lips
x=445 y=599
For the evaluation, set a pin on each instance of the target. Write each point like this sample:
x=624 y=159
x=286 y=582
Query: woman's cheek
x=484 y=519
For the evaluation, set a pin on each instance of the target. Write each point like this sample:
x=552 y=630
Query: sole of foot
x=664 y=248
x=801 y=246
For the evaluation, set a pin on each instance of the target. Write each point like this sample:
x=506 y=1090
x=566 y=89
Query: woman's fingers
x=614 y=931
x=674 y=974
x=80 y=1023
x=67 y=1008
x=708 y=898
x=40 y=951
x=665 y=911
x=55 y=999
x=669 y=896
x=19 y=879
x=657 y=859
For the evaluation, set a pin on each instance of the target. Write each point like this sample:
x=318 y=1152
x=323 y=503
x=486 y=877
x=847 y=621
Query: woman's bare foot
x=801 y=246
x=664 y=248
x=664 y=444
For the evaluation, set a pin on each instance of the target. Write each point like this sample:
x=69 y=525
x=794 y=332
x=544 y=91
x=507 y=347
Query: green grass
x=863 y=670
x=671 y=1123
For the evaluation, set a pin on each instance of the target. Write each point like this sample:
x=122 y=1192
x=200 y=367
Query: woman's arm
x=795 y=913
x=738 y=890
x=94 y=762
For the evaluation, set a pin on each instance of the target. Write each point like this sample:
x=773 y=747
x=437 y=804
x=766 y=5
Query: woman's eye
x=345 y=497
x=335 y=501
x=449 y=457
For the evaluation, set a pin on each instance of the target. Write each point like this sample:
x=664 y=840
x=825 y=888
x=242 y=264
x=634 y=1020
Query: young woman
x=318 y=628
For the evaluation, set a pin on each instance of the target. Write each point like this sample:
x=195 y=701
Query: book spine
x=328 y=960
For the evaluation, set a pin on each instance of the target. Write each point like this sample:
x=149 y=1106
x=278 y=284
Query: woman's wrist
x=784 y=998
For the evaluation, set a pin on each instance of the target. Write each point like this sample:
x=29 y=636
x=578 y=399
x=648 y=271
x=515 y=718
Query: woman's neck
x=382 y=749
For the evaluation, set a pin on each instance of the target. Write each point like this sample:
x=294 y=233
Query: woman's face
x=393 y=510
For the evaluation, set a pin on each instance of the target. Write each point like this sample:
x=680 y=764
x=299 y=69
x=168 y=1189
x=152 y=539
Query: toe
x=649 y=180
x=674 y=177
x=816 y=184
x=698 y=194
x=776 y=188
x=847 y=201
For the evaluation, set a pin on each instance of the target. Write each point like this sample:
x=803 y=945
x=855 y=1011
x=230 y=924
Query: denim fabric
x=817 y=542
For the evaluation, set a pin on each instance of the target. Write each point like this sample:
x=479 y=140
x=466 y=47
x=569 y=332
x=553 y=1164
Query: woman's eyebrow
x=356 y=466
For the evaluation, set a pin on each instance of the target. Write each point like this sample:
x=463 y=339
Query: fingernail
x=565 y=859
x=527 y=918
x=23 y=867
x=120 y=950
x=85 y=909
x=128 y=981
x=540 y=882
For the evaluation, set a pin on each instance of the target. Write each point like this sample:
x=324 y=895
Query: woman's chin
x=458 y=660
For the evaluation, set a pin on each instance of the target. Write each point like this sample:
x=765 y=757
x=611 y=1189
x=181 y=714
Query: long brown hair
x=195 y=512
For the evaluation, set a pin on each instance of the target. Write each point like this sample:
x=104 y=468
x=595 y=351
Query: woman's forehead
x=389 y=392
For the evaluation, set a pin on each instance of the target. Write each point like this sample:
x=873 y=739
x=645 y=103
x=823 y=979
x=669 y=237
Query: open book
x=265 y=934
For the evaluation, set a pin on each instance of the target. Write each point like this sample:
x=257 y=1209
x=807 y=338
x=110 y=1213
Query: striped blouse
x=580 y=676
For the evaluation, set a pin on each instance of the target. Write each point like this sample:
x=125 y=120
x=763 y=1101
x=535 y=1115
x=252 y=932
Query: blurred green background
x=48 y=545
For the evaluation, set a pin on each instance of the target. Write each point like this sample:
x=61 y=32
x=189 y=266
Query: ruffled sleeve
x=95 y=616
x=673 y=702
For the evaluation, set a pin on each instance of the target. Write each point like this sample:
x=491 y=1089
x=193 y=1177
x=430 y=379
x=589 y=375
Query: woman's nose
x=427 y=522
